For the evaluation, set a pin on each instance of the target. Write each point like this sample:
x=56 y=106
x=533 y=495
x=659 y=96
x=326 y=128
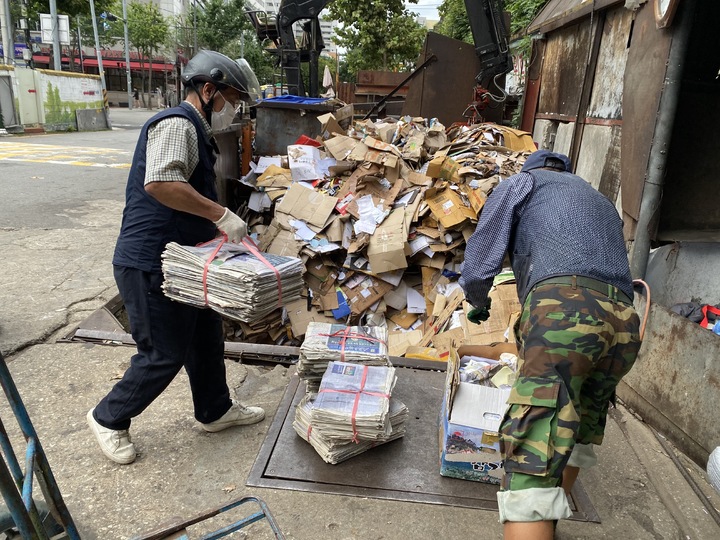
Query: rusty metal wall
x=606 y=99
x=346 y=92
x=566 y=55
x=445 y=87
x=532 y=86
x=643 y=83
x=674 y=386
x=559 y=13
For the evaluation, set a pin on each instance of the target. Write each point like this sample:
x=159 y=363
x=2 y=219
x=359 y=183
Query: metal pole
x=80 y=51
x=8 y=40
x=100 y=65
x=662 y=138
x=194 y=27
x=127 y=56
x=55 y=25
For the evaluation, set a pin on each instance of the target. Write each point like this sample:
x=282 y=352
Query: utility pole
x=127 y=56
x=55 y=25
x=194 y=27
x=8 y=39
x=100 y=65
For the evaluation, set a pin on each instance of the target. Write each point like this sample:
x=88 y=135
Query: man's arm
x=182 y=196
x=171 y=157
x=486 y=248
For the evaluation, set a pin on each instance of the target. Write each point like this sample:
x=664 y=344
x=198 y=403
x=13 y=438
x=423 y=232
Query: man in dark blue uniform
x=171 y=197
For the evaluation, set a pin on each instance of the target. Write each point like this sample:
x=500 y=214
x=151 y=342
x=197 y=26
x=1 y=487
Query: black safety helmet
x=216 y=68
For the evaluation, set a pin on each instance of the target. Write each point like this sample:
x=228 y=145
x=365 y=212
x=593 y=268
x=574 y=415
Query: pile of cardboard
x=379 y=212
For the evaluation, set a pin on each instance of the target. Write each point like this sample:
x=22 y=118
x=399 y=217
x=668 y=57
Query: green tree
x=249 y=48
x=454 y=21
x=221 y=23
x=148 y=31
x=74 y=9
x=381 y=34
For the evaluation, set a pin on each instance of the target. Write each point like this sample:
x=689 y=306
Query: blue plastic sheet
x=301 y=100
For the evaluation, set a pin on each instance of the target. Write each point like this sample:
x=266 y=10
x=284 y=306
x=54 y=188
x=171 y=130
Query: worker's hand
x=234 y=227
x=478 y=315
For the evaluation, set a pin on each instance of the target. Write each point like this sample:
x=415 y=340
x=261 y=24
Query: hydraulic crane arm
x=490 y=38
x=290 y=54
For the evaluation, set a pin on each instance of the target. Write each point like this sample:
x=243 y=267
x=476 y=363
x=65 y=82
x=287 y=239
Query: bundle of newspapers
x=353 y=403
x=335 y=451
x=326 y=342
x=238 y=281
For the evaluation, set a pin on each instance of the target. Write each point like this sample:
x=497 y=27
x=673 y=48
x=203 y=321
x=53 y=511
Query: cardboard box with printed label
x=470 y=421
x=448 y=207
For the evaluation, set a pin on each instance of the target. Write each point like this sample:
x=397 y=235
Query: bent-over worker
x=578 y=333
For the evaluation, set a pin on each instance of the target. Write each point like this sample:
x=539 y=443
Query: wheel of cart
x=178 y=530
x=23 y=517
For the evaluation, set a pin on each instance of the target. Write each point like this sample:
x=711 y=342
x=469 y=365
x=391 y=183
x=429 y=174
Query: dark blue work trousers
x=169 y=335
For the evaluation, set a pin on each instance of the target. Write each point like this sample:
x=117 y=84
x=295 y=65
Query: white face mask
x=222 y=119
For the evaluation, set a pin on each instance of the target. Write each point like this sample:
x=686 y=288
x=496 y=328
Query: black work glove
x=478 y=315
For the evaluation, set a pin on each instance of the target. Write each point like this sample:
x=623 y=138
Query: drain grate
x=405 y=470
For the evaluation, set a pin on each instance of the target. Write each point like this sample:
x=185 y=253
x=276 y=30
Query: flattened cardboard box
x=300 y=317
x=504 y=305
x=472 y=453
x=365 y=294
x=386 y=251
x=307 y=205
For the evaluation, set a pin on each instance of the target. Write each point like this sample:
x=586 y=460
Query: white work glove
x=234 y=227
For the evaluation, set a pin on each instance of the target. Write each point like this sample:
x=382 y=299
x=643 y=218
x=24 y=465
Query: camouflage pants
x=575 y=346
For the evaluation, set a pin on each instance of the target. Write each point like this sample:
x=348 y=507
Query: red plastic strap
x=348 y=334
x=356 y=404
x=252 y=247
x=309 y=431
x=209 y=262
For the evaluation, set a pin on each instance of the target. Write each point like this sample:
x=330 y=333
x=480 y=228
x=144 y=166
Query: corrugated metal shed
x=559 y=13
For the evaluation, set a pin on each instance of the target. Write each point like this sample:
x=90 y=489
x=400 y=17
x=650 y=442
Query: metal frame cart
x=178 y=530
x=22 y=515
x=50 y=519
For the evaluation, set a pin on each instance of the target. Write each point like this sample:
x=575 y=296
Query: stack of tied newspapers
x=235 y=280
x=334 y=451
x=326 y=342
x=352 y=412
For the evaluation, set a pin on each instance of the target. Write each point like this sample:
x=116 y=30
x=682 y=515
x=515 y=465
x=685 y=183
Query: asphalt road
x=60 y=212
x=43 y=176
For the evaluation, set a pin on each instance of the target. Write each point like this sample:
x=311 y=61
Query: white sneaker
x=115 y=444
x=237 y=415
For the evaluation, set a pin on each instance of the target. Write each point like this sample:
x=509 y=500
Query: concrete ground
x=55 y=270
